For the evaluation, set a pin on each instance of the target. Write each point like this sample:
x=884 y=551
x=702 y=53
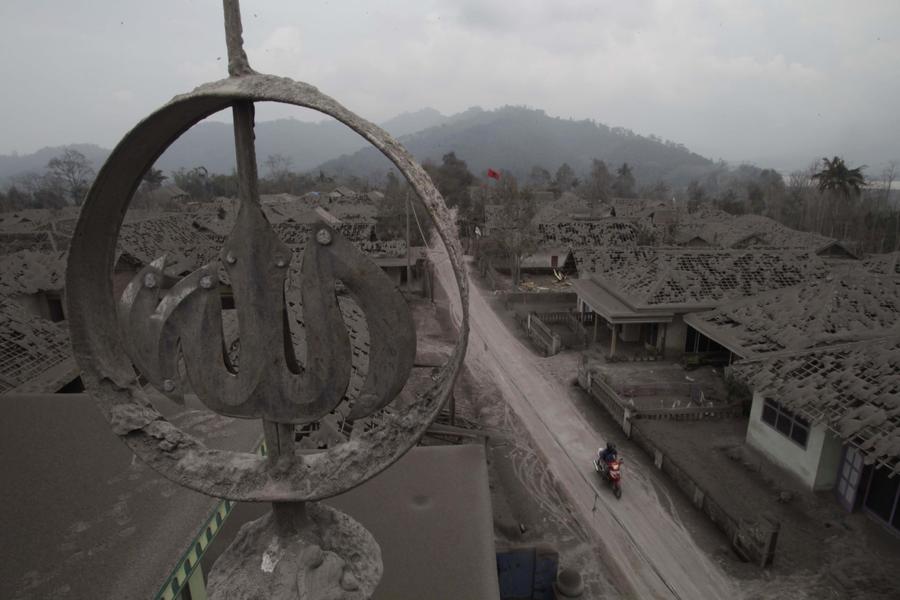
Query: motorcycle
x=610 y=471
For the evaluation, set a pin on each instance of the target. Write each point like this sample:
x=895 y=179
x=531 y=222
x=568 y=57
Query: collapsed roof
x=852 y=388
x=696 y=278
x=840 y=308
x=34 y=353
x=31 y=272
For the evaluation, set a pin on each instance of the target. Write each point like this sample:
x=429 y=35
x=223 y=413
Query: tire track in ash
x=651 y=555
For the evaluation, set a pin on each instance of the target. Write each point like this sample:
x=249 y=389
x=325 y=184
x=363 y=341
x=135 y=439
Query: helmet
x=611 y=447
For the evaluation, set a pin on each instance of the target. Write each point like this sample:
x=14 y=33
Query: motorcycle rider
x=608 y=454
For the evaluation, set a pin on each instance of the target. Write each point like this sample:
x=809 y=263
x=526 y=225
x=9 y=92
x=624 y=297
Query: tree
x=887 y=181
x=392 y=212
x=624 y=184
x=519 y=238
x=657 y=191
x=599 y=185
x=278 y=167
x=34 y=190
x=452 y=179
x=153 y=179
x=842 y=185
x=835 y=176
x=195 y=182
x=564 y=180
x=539 y=177
x=73 y=173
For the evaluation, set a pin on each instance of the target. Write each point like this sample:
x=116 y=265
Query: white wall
x=816 y=465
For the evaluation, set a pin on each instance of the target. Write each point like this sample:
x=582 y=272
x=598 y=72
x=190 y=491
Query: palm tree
x=153 y=179
x=836 y=179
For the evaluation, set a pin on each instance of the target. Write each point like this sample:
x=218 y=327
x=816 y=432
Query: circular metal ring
x=108 y=374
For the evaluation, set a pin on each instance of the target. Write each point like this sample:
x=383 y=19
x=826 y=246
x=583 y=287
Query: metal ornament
x=152 y=328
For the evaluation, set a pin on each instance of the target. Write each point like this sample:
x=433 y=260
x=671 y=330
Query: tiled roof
x=673 y=276
x=883 y=264
x=853 y=388
x=30 y=272
x=850 y=307
x=42 y=241
x=587 y=234
x=171 y=234
x=744 y=231
x=34 y=352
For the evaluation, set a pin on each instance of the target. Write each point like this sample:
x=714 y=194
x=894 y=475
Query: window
x=788 y=424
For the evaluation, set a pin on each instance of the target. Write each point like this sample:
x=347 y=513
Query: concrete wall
x=830 y=462
x=816 y=465
x=676 y=331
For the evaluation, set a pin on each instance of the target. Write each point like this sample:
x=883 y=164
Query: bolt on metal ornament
x=150 y=326
x=270 y=384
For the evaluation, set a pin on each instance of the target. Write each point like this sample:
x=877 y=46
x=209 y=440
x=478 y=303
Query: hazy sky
x=758 y=81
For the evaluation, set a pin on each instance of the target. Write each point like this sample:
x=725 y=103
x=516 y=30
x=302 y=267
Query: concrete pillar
x=612 y=344
x=596 y=318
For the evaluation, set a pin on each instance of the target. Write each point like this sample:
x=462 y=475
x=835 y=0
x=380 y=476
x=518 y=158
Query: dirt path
x=651 y=555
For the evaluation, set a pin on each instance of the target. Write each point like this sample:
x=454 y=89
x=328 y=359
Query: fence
x=689 y=390
x=753 y=539
x=690 y=413
x=610 y=401
x=576 y=336
x=542 y=298
x=538 y=331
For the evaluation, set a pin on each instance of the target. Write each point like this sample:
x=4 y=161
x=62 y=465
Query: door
x=849 y=477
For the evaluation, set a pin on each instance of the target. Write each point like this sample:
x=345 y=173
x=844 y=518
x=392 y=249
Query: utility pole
x=408 y=247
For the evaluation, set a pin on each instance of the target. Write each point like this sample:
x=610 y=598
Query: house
x=605 y=233
x=883 y=264
x=35 y=353
x=643 y=294
x=831 y=416
x=547 y=260
x=818 y=356
x=840 y=307
x=35 y=281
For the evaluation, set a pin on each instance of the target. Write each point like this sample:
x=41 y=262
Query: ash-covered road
x=648 y=552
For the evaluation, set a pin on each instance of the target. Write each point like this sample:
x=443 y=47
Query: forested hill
x=516 y=139
x=211 y=144
x=509 y=138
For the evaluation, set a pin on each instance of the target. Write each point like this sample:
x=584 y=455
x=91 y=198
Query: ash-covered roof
x=835 y=309
x=588 y=234
x=650 y=276
x=744 y=231
x=34 y=353
x=172 y=234
x=42 y=241
x=561 y=209
x=853 y=388
x=30 y=272
x=883 y=264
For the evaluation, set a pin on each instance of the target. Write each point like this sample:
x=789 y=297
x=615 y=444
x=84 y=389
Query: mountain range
x=510 y=138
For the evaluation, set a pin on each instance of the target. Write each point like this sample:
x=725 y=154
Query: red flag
x=494 y=174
